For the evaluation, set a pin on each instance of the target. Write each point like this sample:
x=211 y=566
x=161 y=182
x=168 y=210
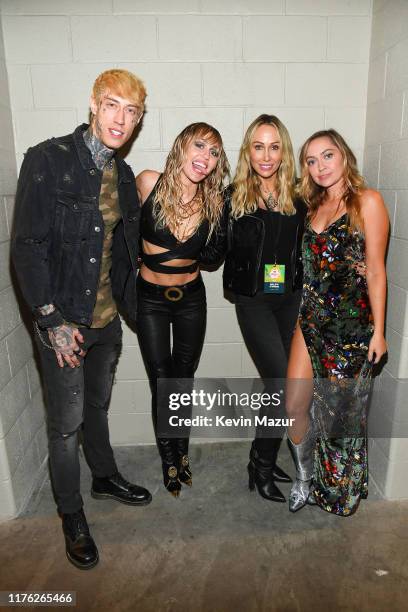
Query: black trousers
x=80 y=397
x=267 y=324
x=171 y=336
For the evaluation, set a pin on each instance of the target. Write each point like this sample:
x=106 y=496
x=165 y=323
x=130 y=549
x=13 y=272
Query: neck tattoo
x=101 y=155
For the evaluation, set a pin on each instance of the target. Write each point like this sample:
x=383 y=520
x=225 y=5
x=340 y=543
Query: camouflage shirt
x=105 y=308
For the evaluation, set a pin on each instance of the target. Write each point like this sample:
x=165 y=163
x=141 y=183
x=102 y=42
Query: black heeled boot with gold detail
x=169 y=466
x=185 y=474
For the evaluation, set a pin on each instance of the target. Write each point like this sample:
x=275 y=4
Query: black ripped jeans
x=158 y=317
x=80 y=397
x=267 y=324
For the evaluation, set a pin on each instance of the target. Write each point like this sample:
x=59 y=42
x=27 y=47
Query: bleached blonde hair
x=246 y=182
x=123 y=83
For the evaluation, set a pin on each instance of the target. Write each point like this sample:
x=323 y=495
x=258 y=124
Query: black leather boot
x=268 y=448
x=185 y=474
x=116 y=487
x=80 y=547
x=260 y=472
x=169 y=466
x=280 y=476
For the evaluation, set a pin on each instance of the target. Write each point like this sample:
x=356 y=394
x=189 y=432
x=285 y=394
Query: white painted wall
x=386 y=167
x=23 y=445
x=222 y=61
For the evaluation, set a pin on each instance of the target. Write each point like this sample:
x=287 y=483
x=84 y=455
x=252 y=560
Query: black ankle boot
x=260 y=472
x=171 y=478
x=169 y=466
x=80 y=547
x=185 y=474
x=116 y=487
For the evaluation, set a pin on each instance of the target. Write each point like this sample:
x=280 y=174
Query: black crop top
x=163 y=237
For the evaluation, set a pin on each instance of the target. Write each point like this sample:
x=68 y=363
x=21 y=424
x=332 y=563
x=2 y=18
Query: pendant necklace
x=270 y=202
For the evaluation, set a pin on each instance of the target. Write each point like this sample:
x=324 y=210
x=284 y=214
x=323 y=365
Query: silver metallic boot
x=302 y=455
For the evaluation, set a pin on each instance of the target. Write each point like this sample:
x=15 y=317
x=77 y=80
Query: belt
x=174 y=293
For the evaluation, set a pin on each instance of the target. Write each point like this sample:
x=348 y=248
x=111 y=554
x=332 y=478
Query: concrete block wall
x=23 y=446
x=222 y=61
x=386 y=166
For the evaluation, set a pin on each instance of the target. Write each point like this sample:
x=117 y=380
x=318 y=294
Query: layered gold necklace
x=185 y=212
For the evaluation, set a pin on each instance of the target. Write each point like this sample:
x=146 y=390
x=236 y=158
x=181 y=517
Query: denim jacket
x=58 y=232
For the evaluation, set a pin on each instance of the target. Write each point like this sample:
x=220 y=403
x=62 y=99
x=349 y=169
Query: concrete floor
x=218 y=548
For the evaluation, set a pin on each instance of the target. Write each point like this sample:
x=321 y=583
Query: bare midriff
x=167 y=280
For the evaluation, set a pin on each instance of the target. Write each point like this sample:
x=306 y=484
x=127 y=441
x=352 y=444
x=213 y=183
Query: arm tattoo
x=62 y=339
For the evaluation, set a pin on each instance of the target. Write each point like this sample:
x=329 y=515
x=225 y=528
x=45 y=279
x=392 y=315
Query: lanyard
x=276 y=235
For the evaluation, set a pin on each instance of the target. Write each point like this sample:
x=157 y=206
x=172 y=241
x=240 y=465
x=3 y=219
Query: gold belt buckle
x=173 y=290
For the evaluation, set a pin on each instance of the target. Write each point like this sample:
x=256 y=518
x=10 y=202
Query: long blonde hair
x=246 y=182
x=169 y=190
x=314 y=194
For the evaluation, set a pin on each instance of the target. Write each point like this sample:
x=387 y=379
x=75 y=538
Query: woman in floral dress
x=340 y=334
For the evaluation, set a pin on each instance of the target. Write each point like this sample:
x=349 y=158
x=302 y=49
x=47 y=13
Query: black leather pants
x=267 y=324
x=171 y=336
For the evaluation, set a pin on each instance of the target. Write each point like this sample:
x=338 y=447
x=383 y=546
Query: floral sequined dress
x=336 y=322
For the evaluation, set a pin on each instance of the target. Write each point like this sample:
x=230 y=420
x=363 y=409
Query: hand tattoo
x=62 y=339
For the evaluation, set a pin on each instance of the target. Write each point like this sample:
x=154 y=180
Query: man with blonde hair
x=75 y=248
